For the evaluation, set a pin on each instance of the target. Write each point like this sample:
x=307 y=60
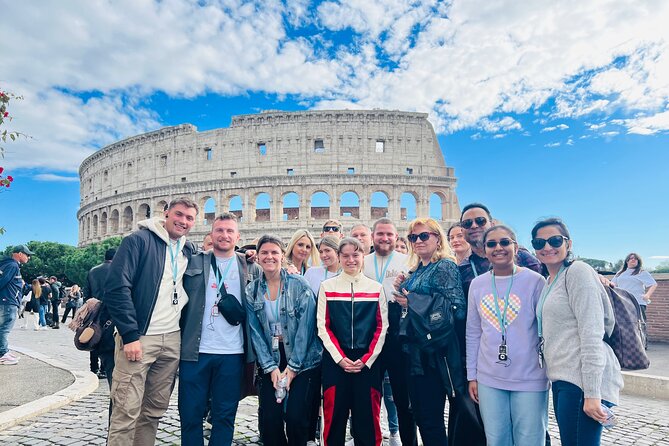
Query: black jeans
x=428 y=400
x=54 y=310
x=395 y=362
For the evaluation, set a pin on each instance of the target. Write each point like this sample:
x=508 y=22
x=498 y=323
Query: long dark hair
x=639 y=264
x=562 y=228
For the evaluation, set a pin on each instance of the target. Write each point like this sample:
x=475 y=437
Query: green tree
x=617 y=265
x=49 y=260
x=599 y=265
x=83 y=259
x=663 y=267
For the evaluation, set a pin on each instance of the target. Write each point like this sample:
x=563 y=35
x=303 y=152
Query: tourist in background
x=73 y=303
x=44 y=299
x=402 y=245
x=301 y=252
x=364 y=235
x=458 y=243
x=327 y=251
x=334 y=228
x=436 y=370
x=504 y=376
x=573 y=316
x=281 y=311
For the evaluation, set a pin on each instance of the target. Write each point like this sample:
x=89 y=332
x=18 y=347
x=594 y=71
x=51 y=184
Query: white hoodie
x=165 y=317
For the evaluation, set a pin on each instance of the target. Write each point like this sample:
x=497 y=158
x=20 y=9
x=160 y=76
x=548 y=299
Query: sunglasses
x=330 y=228
x=556 y=241
x=423 y=236
x=505 y=242
x=480 y=221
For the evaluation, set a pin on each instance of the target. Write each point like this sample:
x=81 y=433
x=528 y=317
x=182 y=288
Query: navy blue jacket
x=11 y=282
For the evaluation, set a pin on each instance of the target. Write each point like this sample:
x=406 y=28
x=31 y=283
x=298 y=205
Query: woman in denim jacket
x=282 y=316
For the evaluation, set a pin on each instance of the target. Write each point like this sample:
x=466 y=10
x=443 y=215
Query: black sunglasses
x=556 y=241
x=505 y=242
x=330 y=228
x=423 y=236
x=480 y=221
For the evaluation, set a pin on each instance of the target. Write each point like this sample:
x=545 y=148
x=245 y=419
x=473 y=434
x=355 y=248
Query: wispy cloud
x=54 y=177
x=553 y=144
x=557 y=127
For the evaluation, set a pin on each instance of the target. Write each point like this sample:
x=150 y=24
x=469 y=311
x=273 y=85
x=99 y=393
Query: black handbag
x=228 y=305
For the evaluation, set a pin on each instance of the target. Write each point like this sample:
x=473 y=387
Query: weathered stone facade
x=275 y=170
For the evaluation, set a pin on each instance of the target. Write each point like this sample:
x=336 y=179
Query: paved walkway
x=641 y=421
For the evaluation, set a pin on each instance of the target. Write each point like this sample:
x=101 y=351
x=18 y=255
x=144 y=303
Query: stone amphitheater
x=278 y=171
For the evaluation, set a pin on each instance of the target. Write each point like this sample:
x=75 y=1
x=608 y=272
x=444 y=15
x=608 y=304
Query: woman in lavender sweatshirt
x=502 y=341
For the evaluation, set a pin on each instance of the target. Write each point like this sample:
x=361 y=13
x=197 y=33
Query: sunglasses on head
x=330 y=228
x=480 y=221
x=505 y=242
x=556 y=241
x=423 y=236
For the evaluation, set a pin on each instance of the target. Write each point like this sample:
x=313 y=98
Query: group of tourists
x=328 y=328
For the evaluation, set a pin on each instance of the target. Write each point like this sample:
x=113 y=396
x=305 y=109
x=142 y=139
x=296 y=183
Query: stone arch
x=379 y=205
x=127 y=219
x=161 y=206
x=319 y=205
x=208 y=209
x=408 y=206
x=349 y=204
x=114 y=221
x=103 y=224
x=144 y=211
x=95 y=226
x=290 y=205
x=263 y=206
x=88 y=227
x=438 y=206
x=236 y=206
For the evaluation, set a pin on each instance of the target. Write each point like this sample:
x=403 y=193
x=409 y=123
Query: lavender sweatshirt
x=484 y=336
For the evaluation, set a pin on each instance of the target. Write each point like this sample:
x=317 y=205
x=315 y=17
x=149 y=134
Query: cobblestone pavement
x=641 y=421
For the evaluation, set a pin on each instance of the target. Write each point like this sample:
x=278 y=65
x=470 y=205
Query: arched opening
x=263 y=212
x=144 y=211
x=349 y=205
x=407 y=206
x=162 y=206
x=290 y=206
x=209 y=211
x=114 y=221
x=379 y=205
x=236 y=206
x=127 y=219
x=88 y=228
x=95 y=226
x=437 y=206
x=320 y=205
x=103 y=224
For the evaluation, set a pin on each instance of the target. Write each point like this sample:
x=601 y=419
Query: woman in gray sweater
x=573 y=314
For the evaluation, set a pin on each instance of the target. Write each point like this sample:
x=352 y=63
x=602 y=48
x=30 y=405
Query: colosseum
x=278 y=171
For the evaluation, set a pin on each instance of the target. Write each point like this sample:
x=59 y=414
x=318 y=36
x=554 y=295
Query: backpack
x=93 y=327
x=627 y=338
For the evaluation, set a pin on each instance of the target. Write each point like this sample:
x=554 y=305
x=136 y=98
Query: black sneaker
x=102 y=375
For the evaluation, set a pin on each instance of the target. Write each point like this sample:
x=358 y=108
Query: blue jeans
x=513 y=417
x=8 y=315
x=218 y=376
x=576 y=428
x=391 y=410
x=42 y=313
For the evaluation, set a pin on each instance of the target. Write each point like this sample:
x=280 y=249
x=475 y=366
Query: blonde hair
x=37 y=289
x=443 y=250
x=313 y=258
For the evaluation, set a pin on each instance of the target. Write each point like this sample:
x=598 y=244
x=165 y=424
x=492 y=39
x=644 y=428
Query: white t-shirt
x=386 y=269
x=218 y=336
x=317 y=274
x=635 y=284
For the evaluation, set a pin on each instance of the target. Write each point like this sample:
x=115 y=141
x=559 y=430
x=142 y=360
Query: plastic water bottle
x=611 y=419
x=280 y=392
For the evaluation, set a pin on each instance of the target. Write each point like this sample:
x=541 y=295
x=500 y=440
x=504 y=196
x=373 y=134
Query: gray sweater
x=575 y=315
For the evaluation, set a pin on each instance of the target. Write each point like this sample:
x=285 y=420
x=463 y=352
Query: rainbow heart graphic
x=488 y=309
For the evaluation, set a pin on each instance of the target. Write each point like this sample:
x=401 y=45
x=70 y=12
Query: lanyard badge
x=175 y=270
x=502 y=350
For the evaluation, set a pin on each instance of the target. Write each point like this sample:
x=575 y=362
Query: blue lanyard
x=501 y=316
x=220 y=278
x=542 y=300
x=379 y=278
x=471 y=262
x=175 y=262
x=325 y=276
x=268 y=296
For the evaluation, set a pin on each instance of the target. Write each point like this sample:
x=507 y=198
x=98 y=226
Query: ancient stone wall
x=278 y=171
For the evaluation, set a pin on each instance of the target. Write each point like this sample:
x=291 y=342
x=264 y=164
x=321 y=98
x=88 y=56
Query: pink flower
x=10 y=178
x=6 y=114
x=2 y=169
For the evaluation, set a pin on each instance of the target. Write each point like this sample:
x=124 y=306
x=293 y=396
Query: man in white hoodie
x=145 y=295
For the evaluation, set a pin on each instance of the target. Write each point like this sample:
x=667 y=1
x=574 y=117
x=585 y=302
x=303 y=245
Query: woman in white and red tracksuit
x=352 y=322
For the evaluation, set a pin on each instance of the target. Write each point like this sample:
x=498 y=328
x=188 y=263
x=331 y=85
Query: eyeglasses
x=480 y=221
x=330 y=228
x=505 y=242
x=556 y=241
x=423 y=236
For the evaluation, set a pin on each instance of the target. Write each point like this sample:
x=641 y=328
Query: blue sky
x=543 y=109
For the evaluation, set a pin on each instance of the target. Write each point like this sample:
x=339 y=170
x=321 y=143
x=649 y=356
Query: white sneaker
x=394 y=440
x=12 y=355
x=351 y=442
x=6 y=359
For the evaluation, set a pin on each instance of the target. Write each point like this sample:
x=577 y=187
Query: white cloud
x=649 y=125
x=54 y=177
x=553 y=128
x=659 y=257
x=552 y=144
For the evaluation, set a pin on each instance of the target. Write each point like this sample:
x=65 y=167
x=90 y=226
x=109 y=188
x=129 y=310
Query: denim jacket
x=298 y=320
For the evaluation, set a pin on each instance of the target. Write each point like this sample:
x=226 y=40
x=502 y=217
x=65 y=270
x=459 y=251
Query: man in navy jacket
x=11 y=285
